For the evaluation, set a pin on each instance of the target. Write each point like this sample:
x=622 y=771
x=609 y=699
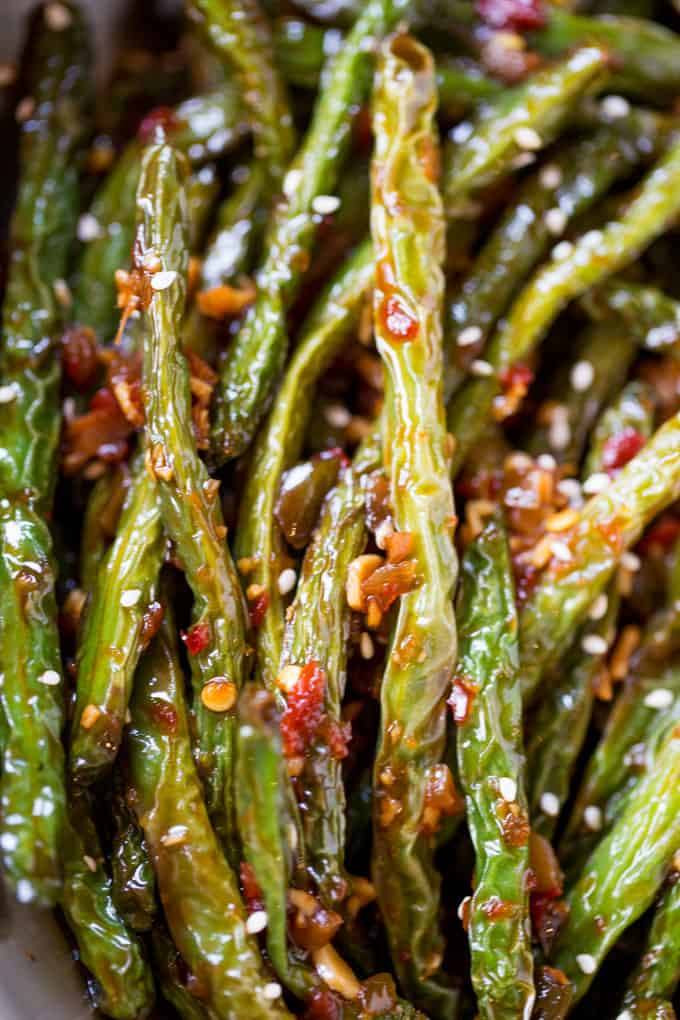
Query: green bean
x=190 y=509
x=258 y=353
x=170 y=969
x=203 y=127
x=491 y=773
x=573 y=180
x=230 y=247
x=241 y=36
x=652 y=316
x=197 y=888
x=622 y=875
x=647 y=55
x=407 y=226
x=658 y=972
x=112 y=639
x=123 y=986
x=632 y=409
x=202 y=189
x=610 y=522
x=133 y=884
x=99 y=524
x=31 y=696
x=568 y=275
x=534 y=112
x=280 y=442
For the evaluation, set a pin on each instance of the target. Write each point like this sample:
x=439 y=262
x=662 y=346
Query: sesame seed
x=559 y=433
x=629 y=561
x=287 y=579
x=587 y=963
x=599 y=607
x=550 y=176
x=582 y=375
x=595 y=483
x=57 y=17
x=366 y=645
x=614 y=107
x=546 y=461
x=50 y=678
x=560 y=551
x=523 y=159
x=469 y=336
x=592 y=816
x=337 y=416
x=90 y=862
x=562 y=251
x=8 y=73
x=272 y=990
x=130 y=597
x=660 y=697
x=7 y=393
x=571 y=488
x=291 y=182
x=507 y=788
x=661 y=336
x=555 y=221
x=550 y=805
x=89 y=228
x=594 y=644
x=25 y=108
x=481 y=368
x=527 y=138
x=325 y=204
x=461 y=132
x=175 y=836
x=161 y=281
x=24 y=891
x=62 y=292
x=256 y=922
x=383 y=531
x=462 y=907
x=626 y=1015
x=592 y=238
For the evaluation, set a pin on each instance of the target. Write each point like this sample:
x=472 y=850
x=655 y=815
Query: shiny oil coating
x=407 y=227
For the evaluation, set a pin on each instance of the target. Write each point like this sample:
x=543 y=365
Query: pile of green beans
x=340 y=509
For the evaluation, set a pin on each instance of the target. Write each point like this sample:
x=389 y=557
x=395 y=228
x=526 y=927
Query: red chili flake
x=161 y=118
x=398 y=319
x=621 y=448
x=337 y=736
x=511 y=15
x=323 y=1005
x=517 y=375
x=258 y=608
x=102 y=432
x=461 y=700
x=197 y=638
x=79 y=356
x=388 y=582
x=165 y=716
x=104 y=400
x=661 y=535
x=304 y=710
x=252 y=894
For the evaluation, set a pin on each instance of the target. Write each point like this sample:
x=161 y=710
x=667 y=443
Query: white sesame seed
x=366 y=645
x=614 y=107
x=461 y=132
x=559 y=433
x=629 y=561
x=560 y=550
x=325 y=204
x=161 y=281
x=9 y=841
x=587 y=963
x=481 y=368
x=7 y=393
x=462 y=905
x=555 y=221
x=594 y=644
x=90 y=862
x=50 y=678
x=8 y=73
x=562 y=251
x=383 y=531
x=599 y=607
x=582 y=375
x=469 y=336
x=550 y=805
x=592 y=238
x=550 y=176
x=337 y=416
x=507 y=788
x=595 y=483
x=592 y=816
x=256 y=922
x=62 y=292
x=660 y=697
x=287 y=579
x=130 y=597
x=546 y=461
x=175 y=835
x=57 y=17
x=89 y=228
x=661 y=336
x=626 y=1015
x=291 y=182
x=523 y=159
x=24 y=891
x=272 y=990
x=25 y=108
x=527 y=138
x=332 y=41
x=571 y=488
